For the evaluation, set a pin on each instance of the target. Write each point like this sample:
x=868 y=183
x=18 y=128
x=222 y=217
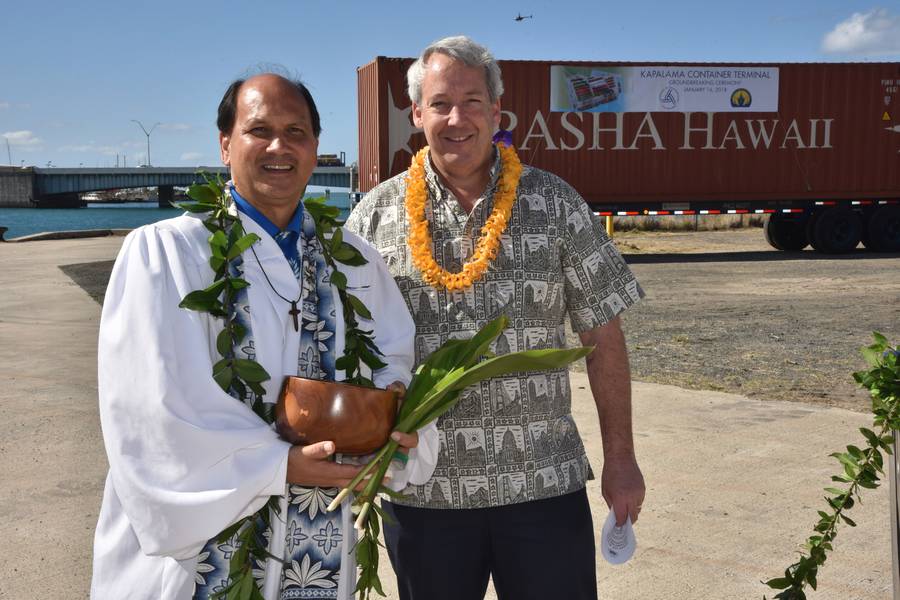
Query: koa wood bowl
x=359 y=420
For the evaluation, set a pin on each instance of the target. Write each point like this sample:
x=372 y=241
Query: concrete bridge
x=33 y=187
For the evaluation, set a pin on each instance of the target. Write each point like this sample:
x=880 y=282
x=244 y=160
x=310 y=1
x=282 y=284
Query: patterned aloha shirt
x=509 y=439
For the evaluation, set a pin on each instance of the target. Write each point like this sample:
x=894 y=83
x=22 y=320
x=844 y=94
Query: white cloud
x=22 y=138
x=4 y=105
x=876 y=32
x=191 y=156
x=175 y=126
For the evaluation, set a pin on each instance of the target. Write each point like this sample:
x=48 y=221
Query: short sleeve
x=599 y=284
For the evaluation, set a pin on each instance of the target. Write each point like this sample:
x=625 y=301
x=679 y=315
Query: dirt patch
x=726 y=312
x=91 y=277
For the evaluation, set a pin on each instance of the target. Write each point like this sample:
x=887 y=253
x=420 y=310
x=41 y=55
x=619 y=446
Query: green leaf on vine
x=196 y=207
x=250 y=370
x=223 y=342
x=337 y=239
x=199 y=300
x=207 y=194
x=779 y=583
x=359 y=307
x=339 y=280
x=223 y=374
x=242 y=244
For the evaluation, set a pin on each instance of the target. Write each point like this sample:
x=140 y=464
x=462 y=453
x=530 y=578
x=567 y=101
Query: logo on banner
x=668 y=98
x=740 y=98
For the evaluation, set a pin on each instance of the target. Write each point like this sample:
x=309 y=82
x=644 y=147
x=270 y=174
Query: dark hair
x=228 y=105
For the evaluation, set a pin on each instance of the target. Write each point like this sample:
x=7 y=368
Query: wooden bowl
x=359 y=420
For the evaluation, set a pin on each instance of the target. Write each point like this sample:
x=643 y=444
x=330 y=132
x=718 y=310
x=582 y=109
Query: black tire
x=786 y=232
x=811 y=231
x=883 y=229
x=835 y=230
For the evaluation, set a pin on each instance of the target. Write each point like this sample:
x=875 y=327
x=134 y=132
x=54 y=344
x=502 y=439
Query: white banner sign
x=663 y=89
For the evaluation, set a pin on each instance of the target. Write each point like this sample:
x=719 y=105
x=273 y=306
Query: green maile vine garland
x=861 y=468
x=244 y=377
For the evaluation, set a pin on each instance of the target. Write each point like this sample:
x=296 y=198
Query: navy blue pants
x=535 y=550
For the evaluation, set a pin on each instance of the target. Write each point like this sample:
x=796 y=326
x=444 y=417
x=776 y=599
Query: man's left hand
x=623 y=487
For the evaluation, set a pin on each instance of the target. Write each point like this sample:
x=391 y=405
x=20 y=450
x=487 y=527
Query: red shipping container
x=835 y=137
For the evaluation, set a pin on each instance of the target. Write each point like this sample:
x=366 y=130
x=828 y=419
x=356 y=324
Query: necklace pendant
x=294 y=312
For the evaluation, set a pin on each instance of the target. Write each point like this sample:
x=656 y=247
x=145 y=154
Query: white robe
x=187 y=459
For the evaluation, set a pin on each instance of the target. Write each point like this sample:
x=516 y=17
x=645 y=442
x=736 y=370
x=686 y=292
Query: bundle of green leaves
x=434 y=390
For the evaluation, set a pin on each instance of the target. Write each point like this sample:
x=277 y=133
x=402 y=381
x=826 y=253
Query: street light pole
x=147 y=133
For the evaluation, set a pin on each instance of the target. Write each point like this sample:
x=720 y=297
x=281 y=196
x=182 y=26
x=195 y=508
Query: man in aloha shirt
x=507 y=498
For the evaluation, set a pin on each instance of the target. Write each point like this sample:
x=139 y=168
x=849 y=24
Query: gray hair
x=459 y=48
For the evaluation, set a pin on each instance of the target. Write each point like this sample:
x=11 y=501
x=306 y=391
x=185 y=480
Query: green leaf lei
x=244 y=377
x=860 y=468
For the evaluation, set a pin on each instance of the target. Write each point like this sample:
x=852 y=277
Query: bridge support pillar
x=165 y=195
x=67 y=200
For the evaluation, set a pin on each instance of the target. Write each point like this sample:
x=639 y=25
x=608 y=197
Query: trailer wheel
x=836 y=230
x=883 y=229
x=786 y=232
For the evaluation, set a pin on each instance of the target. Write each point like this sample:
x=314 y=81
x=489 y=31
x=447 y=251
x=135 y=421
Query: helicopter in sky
x=521 y=17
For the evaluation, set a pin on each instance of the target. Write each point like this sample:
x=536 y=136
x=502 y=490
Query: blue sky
x=74 y=75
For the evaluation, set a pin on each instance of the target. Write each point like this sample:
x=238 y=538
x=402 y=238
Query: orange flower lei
x=488 y=244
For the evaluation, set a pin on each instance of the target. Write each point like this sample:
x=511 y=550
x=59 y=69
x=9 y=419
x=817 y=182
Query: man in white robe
x=187 y=459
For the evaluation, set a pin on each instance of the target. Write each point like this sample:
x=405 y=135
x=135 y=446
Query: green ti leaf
x=429 y=405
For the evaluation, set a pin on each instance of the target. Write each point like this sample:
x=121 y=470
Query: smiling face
x=272 y=148
x=458 y=117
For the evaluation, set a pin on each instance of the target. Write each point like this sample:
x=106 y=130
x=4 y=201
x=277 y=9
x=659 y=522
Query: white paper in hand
x=617 y=543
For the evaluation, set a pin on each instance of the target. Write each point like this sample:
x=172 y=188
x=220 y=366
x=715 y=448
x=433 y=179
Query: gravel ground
x=726 y=312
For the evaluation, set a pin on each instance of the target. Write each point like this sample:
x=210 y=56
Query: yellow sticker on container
x=885 y=116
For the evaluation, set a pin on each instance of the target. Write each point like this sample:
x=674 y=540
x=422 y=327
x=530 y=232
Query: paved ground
x=733 y=482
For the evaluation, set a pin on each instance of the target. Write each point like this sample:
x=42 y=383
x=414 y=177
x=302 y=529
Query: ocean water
x=27 y=221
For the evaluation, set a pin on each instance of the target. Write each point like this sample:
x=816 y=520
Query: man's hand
x=312 y=466
x=398 y=388
x=406 y=440
x=622 y=486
